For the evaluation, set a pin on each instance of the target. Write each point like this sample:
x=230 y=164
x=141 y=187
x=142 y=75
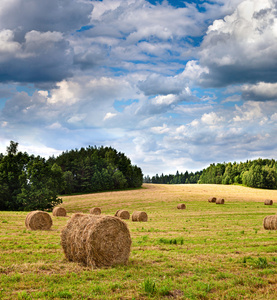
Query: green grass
x=207 y=251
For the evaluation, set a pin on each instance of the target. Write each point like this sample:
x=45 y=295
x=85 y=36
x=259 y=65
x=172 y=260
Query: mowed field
x=206 y=251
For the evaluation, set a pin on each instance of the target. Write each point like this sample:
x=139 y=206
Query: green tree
x=39 y=186
x=11 y=166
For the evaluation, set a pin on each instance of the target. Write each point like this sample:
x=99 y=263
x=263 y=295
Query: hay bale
x=38 y=220
x=96 y=241
x=181 y=206
x=212 y=199
x=59 y=212
x=139 y=216
x=95 y=211
x=122 y=214
x=268 y=202
x=219 y=201
x=270 y=222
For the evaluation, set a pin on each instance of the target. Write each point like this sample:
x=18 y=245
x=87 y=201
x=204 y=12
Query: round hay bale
x=270 y=222
x=212 y=199
x=38 y=220
x=95 y=211
x=96 y=241
x=268 y=202
x=123 y=214
x=139 y=216
x=181 y=206
x=219 y=201
x=59 y=212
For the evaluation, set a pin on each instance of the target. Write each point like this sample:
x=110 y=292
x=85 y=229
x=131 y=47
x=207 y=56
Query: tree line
x=29 y=182
x=178 y=178
x=259 y=173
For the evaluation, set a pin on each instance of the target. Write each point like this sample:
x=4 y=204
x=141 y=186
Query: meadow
x=206 y=251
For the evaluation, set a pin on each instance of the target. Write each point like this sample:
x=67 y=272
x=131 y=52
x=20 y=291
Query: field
x=206 y=251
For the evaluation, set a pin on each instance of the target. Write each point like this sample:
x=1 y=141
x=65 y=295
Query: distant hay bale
x=268 y=202
x=59 y=212
x=219 y=201
x=95 y=211
x=270 y=222
x=181 y=206
x=122 y=214
x=38 y=220
x=96 y=241
x=139 y=216
x=212 y=199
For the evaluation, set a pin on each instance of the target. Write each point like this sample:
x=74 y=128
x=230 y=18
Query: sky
x=174 y=85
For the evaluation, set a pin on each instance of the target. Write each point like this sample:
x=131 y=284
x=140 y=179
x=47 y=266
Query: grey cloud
x=241 y=49
x=157 y=84
x=42 y=57
x=260 y=92
x=31 y=54
x=41 y=15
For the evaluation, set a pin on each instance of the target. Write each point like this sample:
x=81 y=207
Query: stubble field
x=206 y=251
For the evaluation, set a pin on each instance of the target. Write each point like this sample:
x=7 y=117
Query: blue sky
x=175 y=85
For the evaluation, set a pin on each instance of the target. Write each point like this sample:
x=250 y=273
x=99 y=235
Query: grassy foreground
x=207 y=251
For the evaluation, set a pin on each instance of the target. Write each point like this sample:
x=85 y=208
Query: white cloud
x=261 y=91
x=241 y=47
x=164 y=100
x=250 y=112
x=7 y=43
x=109 y=116
x=211 y=119
x=160 y=129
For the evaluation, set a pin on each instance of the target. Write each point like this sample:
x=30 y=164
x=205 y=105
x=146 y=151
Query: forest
x=29 y=182
x=178 y=178
x=259 y=173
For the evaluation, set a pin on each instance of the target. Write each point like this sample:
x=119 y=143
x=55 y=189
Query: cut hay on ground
x=96 y=241
x=270 y=222
x=139 y=216
x=95 y=211
x=212 y=199
x=122 y=214
x=38 y=220
x=268 y=202
x=181 y=206
x=59 y=212
x=219 y=201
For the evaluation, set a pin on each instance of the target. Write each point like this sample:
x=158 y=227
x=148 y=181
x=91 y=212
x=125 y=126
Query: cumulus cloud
x=133 y=33
x=42 y=56
x=261 y=91
x=242 y=47
x=250 y=112
x=34 y=44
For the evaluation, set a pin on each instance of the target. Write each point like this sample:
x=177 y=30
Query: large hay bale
x=270 y=222
x=38 y=220
x=95 y=211
x=268 y=202
x=219 y=201
x=181 y=206
x=212 y=199
x=59 y=212
x=122 y=214
x=96 y=241
x=139 y=216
